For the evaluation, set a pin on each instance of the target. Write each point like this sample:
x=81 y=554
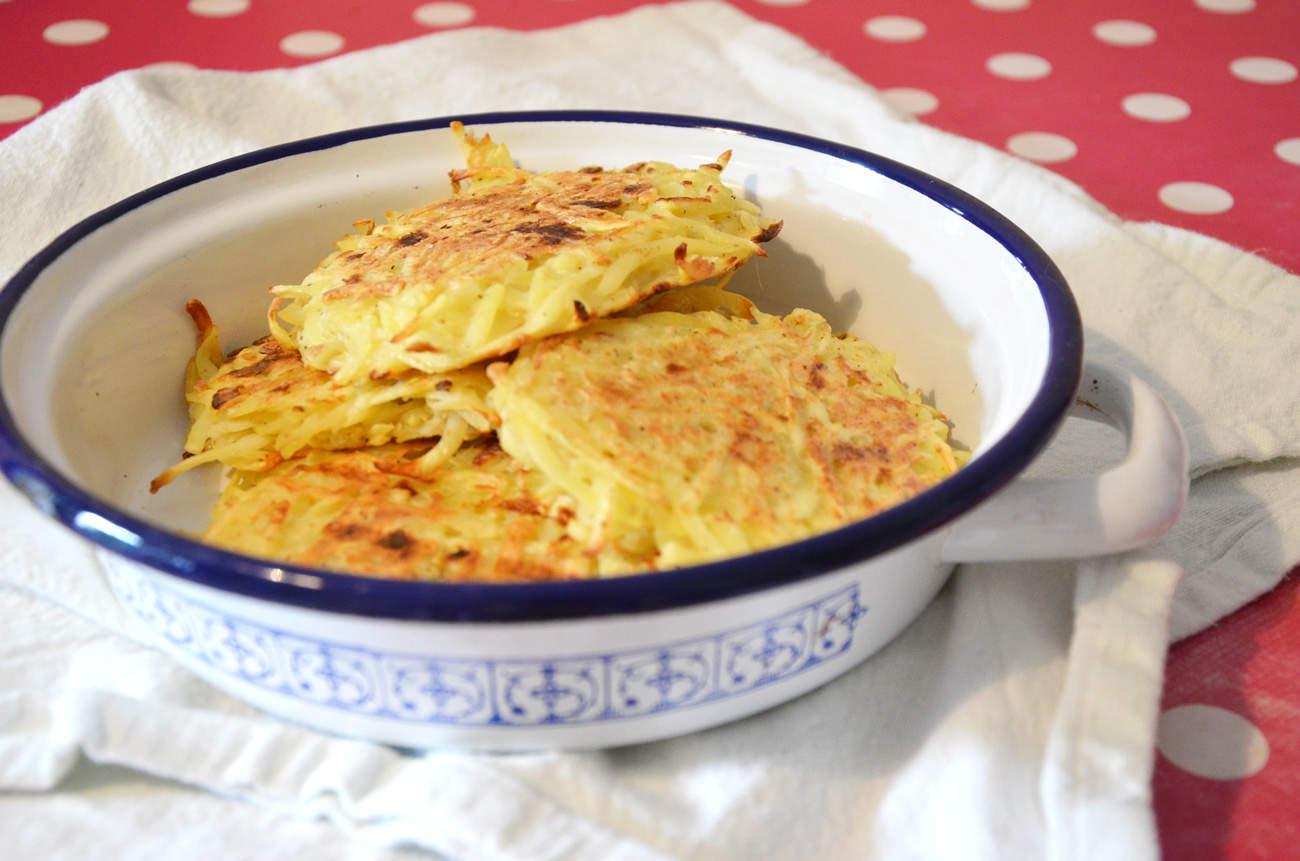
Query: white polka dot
x=1263 y=70
x=1229 y=6
x=1197 y=198
x=1042 y=146
x=1019 y=67
x=15 y=109
x=910 y=100
x=1288 y=150
x=170 y=66
x=77 y=31
x=1124 y=33
x=443 y=14
x=894 y=28
x=1002 y=5
x=1211 y=742
x=1156 y=107
x=311 y=43
x=217 y=8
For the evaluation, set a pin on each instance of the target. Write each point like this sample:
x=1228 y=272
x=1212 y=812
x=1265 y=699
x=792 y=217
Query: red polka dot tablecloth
x=1185 y=112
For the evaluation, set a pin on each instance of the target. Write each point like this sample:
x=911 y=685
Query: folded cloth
x=1014 y=718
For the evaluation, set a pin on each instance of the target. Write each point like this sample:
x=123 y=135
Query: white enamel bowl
x=95 y=337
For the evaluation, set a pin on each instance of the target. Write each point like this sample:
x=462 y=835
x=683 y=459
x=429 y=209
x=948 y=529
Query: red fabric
x=1247 y=665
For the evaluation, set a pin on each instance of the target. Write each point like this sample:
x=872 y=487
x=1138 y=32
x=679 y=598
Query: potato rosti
x=509 y=257
x=263 y=405
x=480 y=516
x=690 y=437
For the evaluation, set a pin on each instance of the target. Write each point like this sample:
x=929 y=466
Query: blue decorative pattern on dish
x=415 y=688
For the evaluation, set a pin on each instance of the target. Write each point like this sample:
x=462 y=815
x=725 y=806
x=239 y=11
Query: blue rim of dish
x=318 y=589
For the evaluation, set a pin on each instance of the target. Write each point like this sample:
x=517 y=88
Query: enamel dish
x=95 y=338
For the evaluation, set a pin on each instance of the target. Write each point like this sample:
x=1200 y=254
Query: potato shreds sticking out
x=691 y=437
x=263 y=405
x=481 y=516
x=708 y=296
x=510 y=257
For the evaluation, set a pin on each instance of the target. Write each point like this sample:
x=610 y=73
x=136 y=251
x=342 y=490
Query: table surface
x=1185 y=112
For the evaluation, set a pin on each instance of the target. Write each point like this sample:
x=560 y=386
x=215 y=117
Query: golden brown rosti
x=262 y=405
x=689 y=437
x=512 y=256
x=480 y=516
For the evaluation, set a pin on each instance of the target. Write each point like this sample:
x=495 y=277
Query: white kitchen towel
x=1014 y=718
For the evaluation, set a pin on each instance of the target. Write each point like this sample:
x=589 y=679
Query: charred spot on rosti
x=551 y=232
x=396 y=540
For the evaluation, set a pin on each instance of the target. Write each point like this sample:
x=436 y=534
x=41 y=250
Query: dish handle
x=1127 y=506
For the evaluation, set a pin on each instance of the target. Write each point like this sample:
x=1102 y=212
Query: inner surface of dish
x=101 y=330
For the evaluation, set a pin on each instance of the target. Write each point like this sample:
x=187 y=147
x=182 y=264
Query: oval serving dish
x=94 y=340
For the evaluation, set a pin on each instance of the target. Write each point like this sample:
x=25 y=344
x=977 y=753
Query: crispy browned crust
x=374 y=513
x=477 y=233
x=718 y=433
x=265 y=369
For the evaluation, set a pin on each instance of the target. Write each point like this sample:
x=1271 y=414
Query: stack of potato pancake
x=542 y=376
